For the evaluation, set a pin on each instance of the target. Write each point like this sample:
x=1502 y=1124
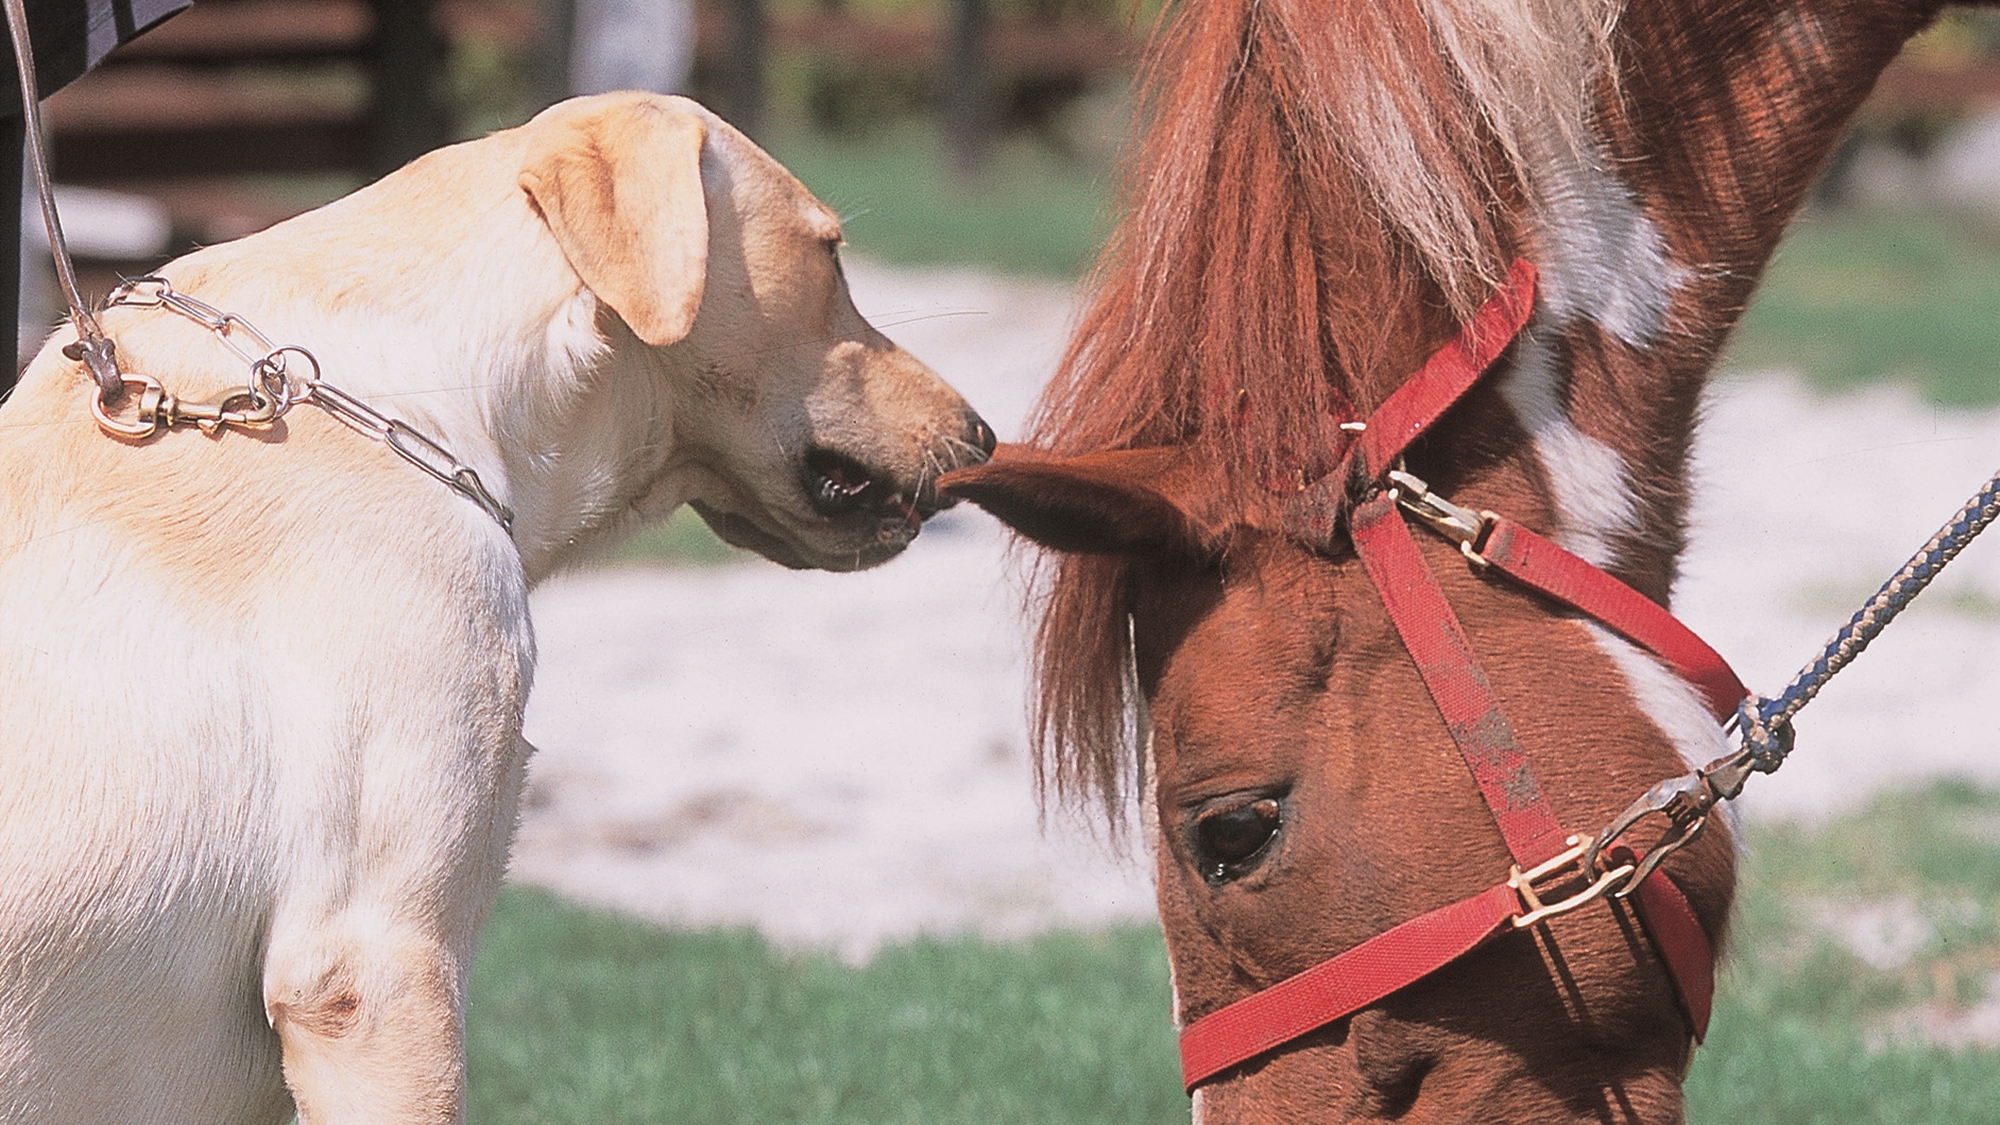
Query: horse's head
x=1308 y=797
x=1325 y=194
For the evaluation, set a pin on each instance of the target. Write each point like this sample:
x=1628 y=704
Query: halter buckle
x=1600 y=882
x=1462 y=526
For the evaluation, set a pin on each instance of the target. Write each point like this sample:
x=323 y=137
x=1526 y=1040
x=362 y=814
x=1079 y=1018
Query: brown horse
x=1326 y=193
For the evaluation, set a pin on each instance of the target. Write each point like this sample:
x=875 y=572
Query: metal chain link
x=412 y=446
x=275 y=387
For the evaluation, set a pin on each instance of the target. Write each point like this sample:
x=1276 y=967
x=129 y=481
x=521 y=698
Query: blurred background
x=968 y=132
x=782 y=859
x=956 y=130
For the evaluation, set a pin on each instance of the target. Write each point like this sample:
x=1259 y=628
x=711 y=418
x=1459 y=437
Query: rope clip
x=1685 y=801
x=1580 y=854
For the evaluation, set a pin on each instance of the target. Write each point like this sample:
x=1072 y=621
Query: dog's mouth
x=862 y=518
x=838 y=486
x=853 y=543
x=864 y=515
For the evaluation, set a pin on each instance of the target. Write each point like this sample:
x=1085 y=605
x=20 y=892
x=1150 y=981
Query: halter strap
x=1317 y=513
x=1443 y=654
x=1535 y=562
x=1450 y=670
x=1445 y=377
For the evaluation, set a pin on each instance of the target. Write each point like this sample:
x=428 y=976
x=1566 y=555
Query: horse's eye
x=1227 y=839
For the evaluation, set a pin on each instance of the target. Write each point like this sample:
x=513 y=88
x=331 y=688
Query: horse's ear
x=1098 y=503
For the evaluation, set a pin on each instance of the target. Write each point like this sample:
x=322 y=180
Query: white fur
x=1588 y=477
x=260 y=753
x=1601 y=260
x=1674 y=705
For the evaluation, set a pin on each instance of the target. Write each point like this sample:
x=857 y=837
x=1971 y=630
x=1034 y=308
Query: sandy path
x=841 y=760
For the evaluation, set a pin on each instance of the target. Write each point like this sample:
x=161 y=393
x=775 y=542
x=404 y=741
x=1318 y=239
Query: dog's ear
x=621 y=192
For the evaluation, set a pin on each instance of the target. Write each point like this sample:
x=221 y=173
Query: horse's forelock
x=1405 y=93
x=1308 y=170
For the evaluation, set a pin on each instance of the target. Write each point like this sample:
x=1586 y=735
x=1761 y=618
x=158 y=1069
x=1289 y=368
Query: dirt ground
x=841 y=760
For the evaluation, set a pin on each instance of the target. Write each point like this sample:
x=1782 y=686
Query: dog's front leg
x=370 y=1016
x=365 y=968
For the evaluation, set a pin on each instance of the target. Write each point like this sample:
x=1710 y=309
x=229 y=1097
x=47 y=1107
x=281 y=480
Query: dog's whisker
x=879 y=319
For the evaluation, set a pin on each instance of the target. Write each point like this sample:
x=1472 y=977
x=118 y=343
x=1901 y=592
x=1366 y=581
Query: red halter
x=1545 y=856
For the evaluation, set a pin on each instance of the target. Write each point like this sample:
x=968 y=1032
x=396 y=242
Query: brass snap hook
x=238 y=406
x=1686 y=802
x=146 y=420
x=1463 y=526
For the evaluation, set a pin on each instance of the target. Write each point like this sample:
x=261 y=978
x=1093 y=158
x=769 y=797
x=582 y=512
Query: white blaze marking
x=1671 y=702
x=1601 y=260
x=1593 y=500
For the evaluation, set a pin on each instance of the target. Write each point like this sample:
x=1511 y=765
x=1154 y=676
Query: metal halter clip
x=1462 y=526
x=1686 y=802
x=1580 y=854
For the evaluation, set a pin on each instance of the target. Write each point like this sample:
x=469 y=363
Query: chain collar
x=281 y=377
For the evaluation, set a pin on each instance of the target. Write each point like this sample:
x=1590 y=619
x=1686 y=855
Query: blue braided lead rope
x=1766 y=724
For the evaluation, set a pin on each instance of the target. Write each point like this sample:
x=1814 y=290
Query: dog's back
x=225 y=657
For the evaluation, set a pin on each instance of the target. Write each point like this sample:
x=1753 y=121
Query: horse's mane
x=1306 y=167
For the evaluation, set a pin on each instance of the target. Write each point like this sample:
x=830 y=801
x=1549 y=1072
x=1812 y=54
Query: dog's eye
x=1229 y=838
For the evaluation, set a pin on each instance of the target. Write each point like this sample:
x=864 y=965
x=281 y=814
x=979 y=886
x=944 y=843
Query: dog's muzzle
x=839 y=486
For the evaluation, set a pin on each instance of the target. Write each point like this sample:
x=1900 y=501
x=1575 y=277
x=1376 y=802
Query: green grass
x=1863 y=296
x=584 y=1017
x=1029 y=212
x=1807 y=1031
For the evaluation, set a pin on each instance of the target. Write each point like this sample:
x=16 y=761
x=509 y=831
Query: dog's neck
x=586 y=445
x=501 y=356
x=565 y=432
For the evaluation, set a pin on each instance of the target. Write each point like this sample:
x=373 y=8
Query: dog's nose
x=978 y=434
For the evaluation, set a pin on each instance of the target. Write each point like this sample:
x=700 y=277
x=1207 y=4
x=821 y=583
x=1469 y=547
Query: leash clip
x=1462 y=526
x=157 y=409
x=238 y=406
x=1686 y=802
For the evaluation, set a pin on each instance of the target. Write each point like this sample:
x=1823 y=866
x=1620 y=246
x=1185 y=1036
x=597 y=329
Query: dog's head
x=799 y=431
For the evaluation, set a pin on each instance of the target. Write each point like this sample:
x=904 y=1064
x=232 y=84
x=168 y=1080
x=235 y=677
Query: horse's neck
x=1722 y=116
x=1728 y=112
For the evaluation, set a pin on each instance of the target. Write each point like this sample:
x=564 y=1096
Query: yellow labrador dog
x=261 y=691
